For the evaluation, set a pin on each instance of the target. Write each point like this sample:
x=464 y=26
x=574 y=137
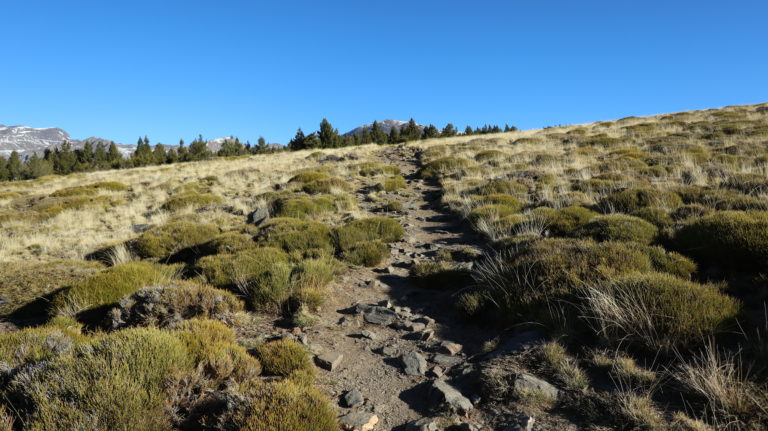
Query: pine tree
x=159 y=155
x=15 y=167
x=394 y=135
x=37 y=167
x=171 y=156
x=65 y=160
x=142 y=156
x=261 y=145
x=448 y=131
x=377 y=134
x=183 y=152
x=468 y=130
x=329 y=137
x=4 y=174
x=298 y=141
x=430 y=132
x=114 y=157
x=100 y=156
x=198 y=149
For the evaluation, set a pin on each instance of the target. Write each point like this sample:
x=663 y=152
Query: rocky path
x=377 y=319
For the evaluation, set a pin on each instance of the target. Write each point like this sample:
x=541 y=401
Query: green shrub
x=443 y=167
x=372 y=169
x=366 y=253
x=327 y=185
x=104 y=289
x=659 y=311
x=310 y=278
x=392 y=184
x=502 y=199
x=262 y=275
x=618 y=227
x=302 y=207
x=520 y=283
x=41 y=343
x=24 y=285
x=690 y=211
x=492 y=212
x=168 y=239
x=294 y=235
x=392 y=206
x=284 y=358
x=91 y=189
x=733 y=239
x=168 y=303
x=665 y=261
x=633 y=199
x=504 y=186
x=438 y=274
x=490 y=155
x=51 y=206
x=229 y=242
x=308 y=177
x=190 y=200
x=383 y=229
x=563 y=221
x=658 y=217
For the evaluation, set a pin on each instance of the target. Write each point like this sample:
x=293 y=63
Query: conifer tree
x=38 y=167
x=4 y=174
x=114 y=157
x=329 y=137
x=298 y=141
x=377 y=134
x=394 y=135
x=448 y=131
x=468 y=130
x=159 y=155
x=198 y=149
x=15 y=167
x=430 y=132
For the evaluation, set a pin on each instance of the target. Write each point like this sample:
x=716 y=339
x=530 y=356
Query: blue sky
x=170 y=70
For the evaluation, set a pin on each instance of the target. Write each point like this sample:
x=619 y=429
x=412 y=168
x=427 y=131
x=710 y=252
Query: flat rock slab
x=359 y=421
x=329 y=361
x=443 y=396
x=423 y=424
x=413 y=364
x=446 y=360
x=449 y=348
x=379 y=316
x=353 y=399
x=528 y=383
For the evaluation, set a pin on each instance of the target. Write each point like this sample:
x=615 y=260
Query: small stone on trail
x=390 y=270
x=446 y=360
x=329 y=361
x=359 y=421
x=423 y=424
x=436 y=371
x=389 y=350
x=413 y=364
x=353 y=399
x=379 y=316
x=528 y=383
x=385 y=303
x=369 y=334
x=444 y=396
x=426 y=334
x=450 y=348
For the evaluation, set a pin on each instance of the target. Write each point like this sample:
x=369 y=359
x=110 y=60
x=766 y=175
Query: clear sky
x=176 y=69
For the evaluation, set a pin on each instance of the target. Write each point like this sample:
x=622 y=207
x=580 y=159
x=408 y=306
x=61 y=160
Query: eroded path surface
x=371 y=352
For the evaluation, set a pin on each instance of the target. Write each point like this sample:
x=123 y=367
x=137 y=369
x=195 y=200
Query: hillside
x=588 y=277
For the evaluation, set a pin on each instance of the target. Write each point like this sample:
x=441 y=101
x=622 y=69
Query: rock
x=359 y=421
x=386 y=303
x=259 y=216
x=528 y=383
x=329 y=361
x=423 y=424
x=413 y=364
x=525 y=423
x=362 y=308
x=368 y=334
x=446 y=360
x=436 y=371
x=425 y=320
x=346 y=322
x=450 y=348
x=353 y=399
x=443 y=396
x=379 y=316
x=373 y=283
x=390 y=270
x=415 y=326
x=517 y=344
x=389 y=350
x=466 y=426
x=426 y=334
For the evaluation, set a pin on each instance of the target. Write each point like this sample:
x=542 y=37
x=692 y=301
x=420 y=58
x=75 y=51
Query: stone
x=259 y=216
x=450 y=348
x=362 y=308
x=524 y=423
x=436 y=371
x=373 y=283
x=359 y=421
x=443 y=396
x=368 y=334
x=446 y=360
x=329 y=361
x=528 y=383
x=425 y=320
x=423 y=424
x=353 y=399
x=389 y=350
x=390 y=270
x=379 y=316
x=386 y=303
x=413 y=364
x=426 y=334
x=346 y=322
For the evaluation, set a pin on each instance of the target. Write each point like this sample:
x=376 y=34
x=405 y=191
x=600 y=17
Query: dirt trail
x=395 y=397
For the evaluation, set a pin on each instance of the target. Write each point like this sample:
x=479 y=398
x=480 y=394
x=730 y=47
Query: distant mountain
x=28 y=140
x=386 y=126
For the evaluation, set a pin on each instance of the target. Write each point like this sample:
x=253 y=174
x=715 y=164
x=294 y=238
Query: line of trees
x=64 y=159
x=328 y=137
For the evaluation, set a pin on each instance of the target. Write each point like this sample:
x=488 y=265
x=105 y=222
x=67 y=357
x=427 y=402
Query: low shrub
x=302 y=207
x=294 y=235
x=732 y=239
x=262 y=275
x=689 y=211
x=665 y=261
x=164 y=241
x=439 y=274
x=373 y=169
x=36 y=344
x=24 y=286
x=657 y=216
x=503 y=186
x=169 y=303
x=501 y=199
x=383 y=229
x=228 y=243
x=308 y=177
x=366 y=253
x=284 y=358
x=633 y=199
x=392 y=206
x=190 y=200
x=91 y=189
x=102 y=291
x=519 y=283
x=392 y=184
x=443 y=166
x=492 y=212
x=563 y=221
x=326 y=186
x=310 y=278
x=658 y=312
x=618 y=227
x=490 y=155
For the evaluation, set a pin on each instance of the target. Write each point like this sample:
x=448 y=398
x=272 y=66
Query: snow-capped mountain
x=28 y=140
x=385 y=125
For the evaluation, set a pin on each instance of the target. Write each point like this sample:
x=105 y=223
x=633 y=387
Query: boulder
x=359 y=421
x=329 y=361
x=443 y=396
x=528 y=383
x=379 y=316
x=450 y=348
x=353 y=399
x=259 y=216
x=413 y=364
